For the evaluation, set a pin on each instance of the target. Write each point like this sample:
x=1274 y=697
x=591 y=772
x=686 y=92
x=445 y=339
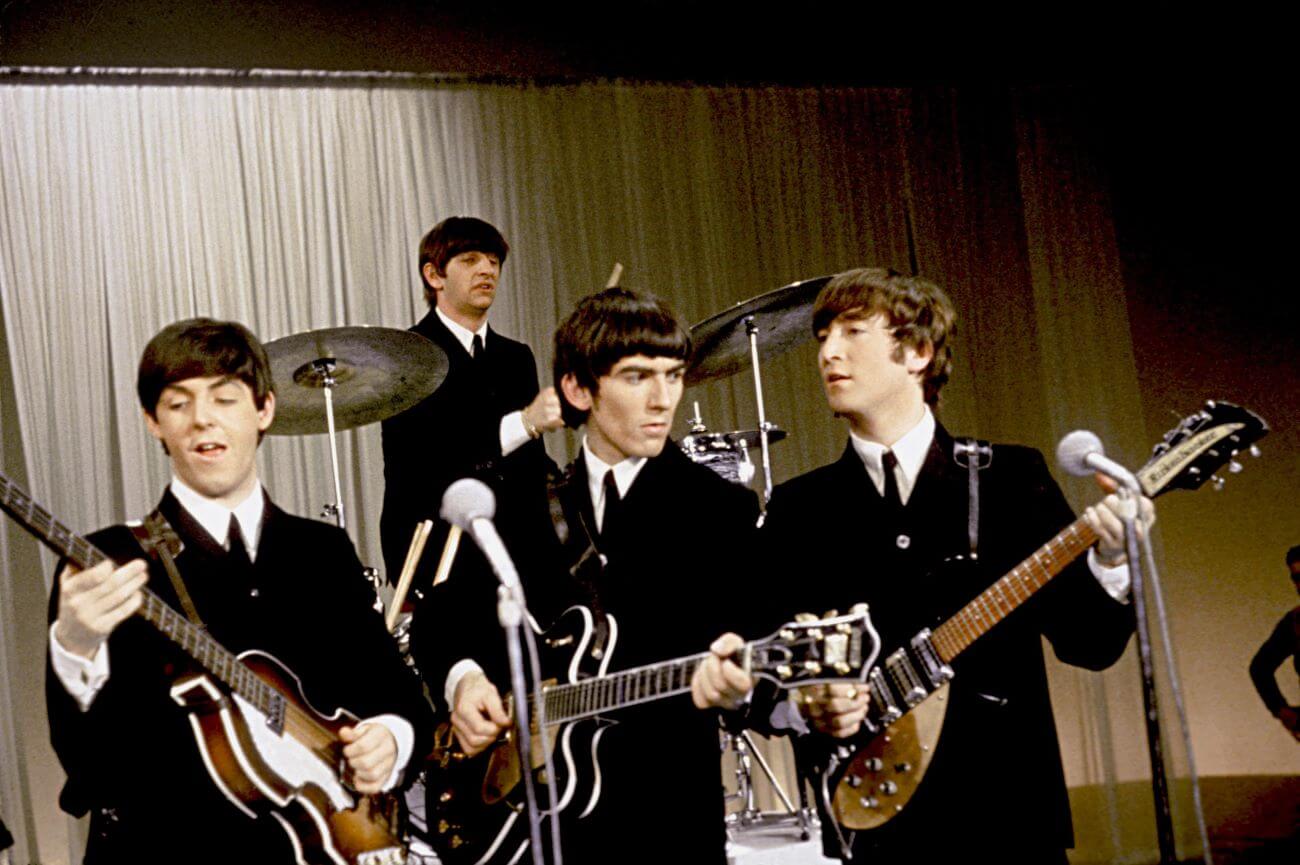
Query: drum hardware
x=726 y=453
x=377 y=372
x=742 y=744
x=767 y=325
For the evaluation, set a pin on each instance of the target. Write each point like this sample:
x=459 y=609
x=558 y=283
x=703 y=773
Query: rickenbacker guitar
x=869 y=780
x=268 y=751
x=476 y=805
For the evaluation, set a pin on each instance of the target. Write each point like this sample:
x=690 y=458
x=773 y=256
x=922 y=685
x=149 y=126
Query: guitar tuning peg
x=1217 y=482
x=858 y=609
x=804 y=618
x=1234 y=467
x=1254 y=451
x=831 y=614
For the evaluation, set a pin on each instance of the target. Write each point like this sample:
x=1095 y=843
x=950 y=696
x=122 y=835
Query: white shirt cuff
x=454 y=675
x=82 y=679
x=1115 y=581
x=513 y=434
x=404 y=735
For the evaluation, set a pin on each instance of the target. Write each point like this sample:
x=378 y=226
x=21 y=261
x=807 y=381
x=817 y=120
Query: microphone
x=470 y=505
x=1081 y=453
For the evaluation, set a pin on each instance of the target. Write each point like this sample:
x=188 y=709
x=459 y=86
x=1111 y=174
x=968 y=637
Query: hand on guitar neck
x=95 y=601
x=478 y=717
x=719 y=682
x=1104 y=518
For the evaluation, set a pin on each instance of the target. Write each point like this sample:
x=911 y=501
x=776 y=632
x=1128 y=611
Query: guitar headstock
x=810 y=651
x=1199 y=446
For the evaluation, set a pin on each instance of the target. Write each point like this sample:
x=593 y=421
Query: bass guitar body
x=276 y=768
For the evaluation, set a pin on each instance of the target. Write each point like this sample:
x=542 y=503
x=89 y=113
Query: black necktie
x=889 y=462
x=238 y=551
x=612 y=503
x=476 y=348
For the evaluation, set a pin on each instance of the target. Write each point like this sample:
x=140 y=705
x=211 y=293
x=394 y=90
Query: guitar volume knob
x=888 y=788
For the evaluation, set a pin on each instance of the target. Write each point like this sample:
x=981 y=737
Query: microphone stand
x=1155 y=740
x=510 y=613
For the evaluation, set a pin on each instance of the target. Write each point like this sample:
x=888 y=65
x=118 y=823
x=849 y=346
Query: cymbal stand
x=751 y=328
x=320 y=373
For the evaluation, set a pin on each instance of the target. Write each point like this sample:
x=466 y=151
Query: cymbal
x=377 y=372
x=748 y=437
x=783 y=318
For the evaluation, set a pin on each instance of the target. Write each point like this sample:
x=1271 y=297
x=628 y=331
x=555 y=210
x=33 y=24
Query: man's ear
x=918 y=357
x=152 y=423
x=577 y=395
x=431 y=277
x=266 y=414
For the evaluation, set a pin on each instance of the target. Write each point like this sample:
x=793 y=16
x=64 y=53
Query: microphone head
x=1073 y=451
x=467 y=500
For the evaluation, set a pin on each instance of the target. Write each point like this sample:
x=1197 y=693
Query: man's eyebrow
x=649 y=369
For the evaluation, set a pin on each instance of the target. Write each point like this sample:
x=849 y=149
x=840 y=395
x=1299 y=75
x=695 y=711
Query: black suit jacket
x=996 y=781
x=676 y=561
x=455 y=433
x=132 y=758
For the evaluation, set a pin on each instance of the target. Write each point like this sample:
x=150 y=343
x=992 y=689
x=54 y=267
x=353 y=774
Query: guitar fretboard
x=570 y=702
x=215 y=659
x=997 y=601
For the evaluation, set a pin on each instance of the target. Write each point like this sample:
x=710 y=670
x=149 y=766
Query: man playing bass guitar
x=256 y=577
x=876 y=525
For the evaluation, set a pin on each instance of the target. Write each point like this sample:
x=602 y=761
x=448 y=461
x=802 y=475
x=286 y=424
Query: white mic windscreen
x=1072 y=453
x=467 y=500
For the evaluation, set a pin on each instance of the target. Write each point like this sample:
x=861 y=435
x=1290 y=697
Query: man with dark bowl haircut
x=672 y=537
x=258 y=578
x=487 y=417
x=877 y=525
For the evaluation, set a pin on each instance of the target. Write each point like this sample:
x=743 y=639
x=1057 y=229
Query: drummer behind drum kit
x=340 y=378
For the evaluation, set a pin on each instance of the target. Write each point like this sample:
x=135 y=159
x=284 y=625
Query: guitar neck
x=570 y=702
x=214 y=658
x=1003 y=597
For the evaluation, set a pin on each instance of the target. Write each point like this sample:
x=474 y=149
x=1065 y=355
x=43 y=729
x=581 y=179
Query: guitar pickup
x=882 y=698
x=905 y=678
x=935 y=669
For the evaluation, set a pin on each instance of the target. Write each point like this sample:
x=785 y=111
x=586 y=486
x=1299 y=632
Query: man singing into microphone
x=654 y=545
x=875 y=527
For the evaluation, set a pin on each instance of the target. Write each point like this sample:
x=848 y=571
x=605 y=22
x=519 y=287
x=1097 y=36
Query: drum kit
x=336 y=379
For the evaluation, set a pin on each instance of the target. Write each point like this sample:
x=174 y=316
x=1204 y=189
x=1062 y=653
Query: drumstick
x=615 y=275
x=413 y=554
x=448 y=554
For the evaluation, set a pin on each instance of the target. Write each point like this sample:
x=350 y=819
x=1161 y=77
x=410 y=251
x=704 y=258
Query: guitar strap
x=580 y=549
x=973 y=455
x=160 y=542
